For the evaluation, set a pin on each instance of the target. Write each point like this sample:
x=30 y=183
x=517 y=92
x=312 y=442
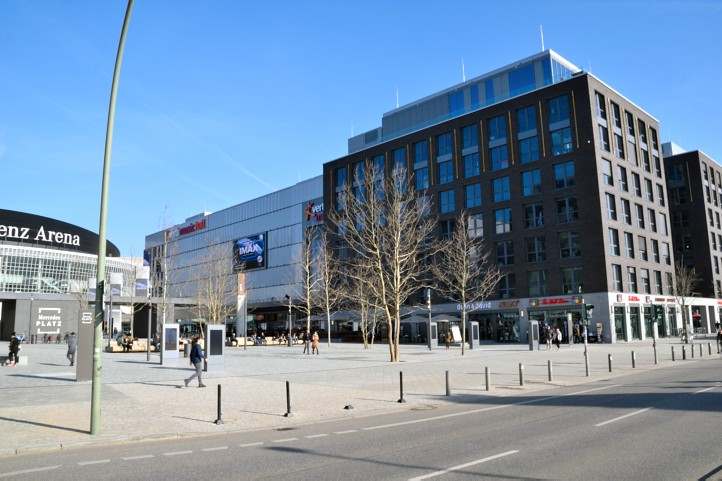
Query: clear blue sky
x=220 y=103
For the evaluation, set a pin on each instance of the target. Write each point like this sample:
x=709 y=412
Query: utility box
x=215 y=337
x=473 y=333
x=84 y=352
x=533 y=335
x=433 y=335
x=169 y=341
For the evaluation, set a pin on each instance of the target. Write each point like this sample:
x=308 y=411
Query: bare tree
x=216 y=285
x=306 y=291
x=387 y=227
x=685 y=281
x=161 y=275
x=358 y=295
x=463 y=270
x=328 y=280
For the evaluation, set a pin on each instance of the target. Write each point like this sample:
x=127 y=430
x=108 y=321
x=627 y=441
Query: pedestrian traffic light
x=589 y=308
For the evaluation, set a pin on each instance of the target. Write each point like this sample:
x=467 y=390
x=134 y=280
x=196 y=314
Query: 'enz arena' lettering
x=42 y=235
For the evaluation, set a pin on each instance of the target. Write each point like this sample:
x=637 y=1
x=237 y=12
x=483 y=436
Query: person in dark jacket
x=197 y=362
x=14 y=349
x=72 y=348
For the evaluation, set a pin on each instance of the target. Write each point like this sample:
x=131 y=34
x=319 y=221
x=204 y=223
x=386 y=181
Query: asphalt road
x=664 y=424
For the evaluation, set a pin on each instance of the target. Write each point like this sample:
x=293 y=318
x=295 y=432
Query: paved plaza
x=42 y=407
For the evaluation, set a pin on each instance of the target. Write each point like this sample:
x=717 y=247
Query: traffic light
x=658 y=313
x=589 y=308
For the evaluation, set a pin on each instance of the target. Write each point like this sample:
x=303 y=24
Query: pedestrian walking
x=197 y=362
x=447 y=340
x=719 y=338
x=306 y=337
x=13 y=350
x=314 y=343
x=72 y=348
x=557 y=338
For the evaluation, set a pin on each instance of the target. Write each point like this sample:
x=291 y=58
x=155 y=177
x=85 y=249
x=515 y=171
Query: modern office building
x=563 y=178
x=47 y=274
x=261 y=238
x=694 y=189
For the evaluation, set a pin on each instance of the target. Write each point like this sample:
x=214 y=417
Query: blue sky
x=221 y=102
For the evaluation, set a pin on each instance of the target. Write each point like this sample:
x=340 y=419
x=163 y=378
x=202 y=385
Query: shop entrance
x=497 y=326
x=672 y=318
x=620 y=323
x=7 y=319
x=636 y=322
x=557 y=319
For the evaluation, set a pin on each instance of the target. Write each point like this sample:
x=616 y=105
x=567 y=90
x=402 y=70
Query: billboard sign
x=313 y=212
x=249 y=252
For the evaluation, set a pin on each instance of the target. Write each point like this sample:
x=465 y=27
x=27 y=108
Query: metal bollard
x=401 y=388
x=521 y=374
x=288 y=400
x=487 y=378
x=673 y=354
x=691 y=350
x=448 y=387
x=700 y=350
x=634 y=360
x=654 y=346
x=609 y=362
x=684 y=353
x=219 y=420
x=549 y=370
x=709 y=348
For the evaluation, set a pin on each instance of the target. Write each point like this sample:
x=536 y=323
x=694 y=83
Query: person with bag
x=14 y=350
x=72 y=348
x=314 y=343
x=557 y=338
x=197 y=362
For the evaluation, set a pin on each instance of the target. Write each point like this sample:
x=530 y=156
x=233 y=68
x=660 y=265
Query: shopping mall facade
x=47 y=275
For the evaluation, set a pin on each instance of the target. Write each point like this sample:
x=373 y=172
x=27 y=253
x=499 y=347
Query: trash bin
x=186 y=349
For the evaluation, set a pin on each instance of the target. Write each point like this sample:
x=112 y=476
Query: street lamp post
x=290 y=322
x=428 y=327
x=100 y=272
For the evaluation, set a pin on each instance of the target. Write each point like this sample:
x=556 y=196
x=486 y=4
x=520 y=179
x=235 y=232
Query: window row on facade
x=539 y=284
x=641 y=280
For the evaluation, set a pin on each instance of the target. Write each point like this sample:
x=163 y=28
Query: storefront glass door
x=620 y=323
x=636 y=323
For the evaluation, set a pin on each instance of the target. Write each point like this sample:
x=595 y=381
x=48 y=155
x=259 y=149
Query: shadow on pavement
x=713 y=475
x=425 y=469
x=39 y=376
x=44 y=425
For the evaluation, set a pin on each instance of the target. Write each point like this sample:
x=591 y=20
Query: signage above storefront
x=193 y=227
x=313 y=212
x=475 y=306
x=555 y=301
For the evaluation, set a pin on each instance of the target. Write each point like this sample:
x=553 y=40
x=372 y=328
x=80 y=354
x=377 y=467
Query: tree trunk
x=463 y=327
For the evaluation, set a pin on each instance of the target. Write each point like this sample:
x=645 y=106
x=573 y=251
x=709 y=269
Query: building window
x=528 y=150
x=399 y=156
x=475 y=225
x=629 y=244
x=622 y=177
x=559 y=125
x=601 y=105
x=648 y=189
x=670 y=288
x=618 y=145
x=531 y=182
x=642 y=133
x=507 y=285
x=447 y=228
x=469 y=137
x=644 y=274
x=446 y=172
x=655 y=141
x=663 y=220
x=658 y=282
x=655 y=250
x=567 y=210
x=640 y=216
x=564 y=175
x=637 y=184
x=444 y=144
x=613 y=242
x=716 y=217
x=421 y=178
x=642 y=241
x=571 y=280
x=447 y=201
x=471 y=165
x=611 y=207
x=660 y=194
x=657 y=166
x=607 y=173
x=500 y=189
x=652 y=219
x=499 y=157
x=502 y=219
x=421 y=151
x=473 y=195
x=632 y=152
x=665 y=254
x=626 y=211
x=505 y=253
x=341 y=176
x=559 y=109
x=561 y=141
x=527 y=135
x=632 y=279
x=617 y=273
x=536 y=249
x=603 y=137
x=537 y=283
x=533 y=216
x=497 y=128
x=569 y=245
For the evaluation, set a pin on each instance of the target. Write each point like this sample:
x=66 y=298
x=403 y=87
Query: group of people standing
x=313 y=340
x=552 y=335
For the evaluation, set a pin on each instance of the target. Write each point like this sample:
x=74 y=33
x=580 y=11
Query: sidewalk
x=42 y=407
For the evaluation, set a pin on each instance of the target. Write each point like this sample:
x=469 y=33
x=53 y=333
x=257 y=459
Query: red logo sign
x=634 y=298
x=556 y=300
x=197 y=225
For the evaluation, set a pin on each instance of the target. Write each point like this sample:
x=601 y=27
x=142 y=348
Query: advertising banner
x=249 y=252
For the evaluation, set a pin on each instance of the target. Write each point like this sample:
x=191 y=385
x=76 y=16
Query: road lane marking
x=27 y=471
x=141 y=456
x=314 y=436
x=248 y=445
x=485 y=409
x=177 y=453
x=88 y=463
x=704 y=390
x=465 y=465
x=285 y=440
x=634 y=413
x=348 y=431
x=219 y=448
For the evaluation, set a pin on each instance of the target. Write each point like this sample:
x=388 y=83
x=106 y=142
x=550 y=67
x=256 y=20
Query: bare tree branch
x=685 y=282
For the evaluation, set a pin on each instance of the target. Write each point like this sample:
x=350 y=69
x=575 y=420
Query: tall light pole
x=100 y=273
x=290 y=321
x=428 y=327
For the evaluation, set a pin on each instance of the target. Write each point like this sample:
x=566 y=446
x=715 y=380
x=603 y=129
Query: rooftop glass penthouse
x=523 y=76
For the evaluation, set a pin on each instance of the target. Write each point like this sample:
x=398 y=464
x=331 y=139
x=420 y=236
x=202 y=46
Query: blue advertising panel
x=249 y=252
